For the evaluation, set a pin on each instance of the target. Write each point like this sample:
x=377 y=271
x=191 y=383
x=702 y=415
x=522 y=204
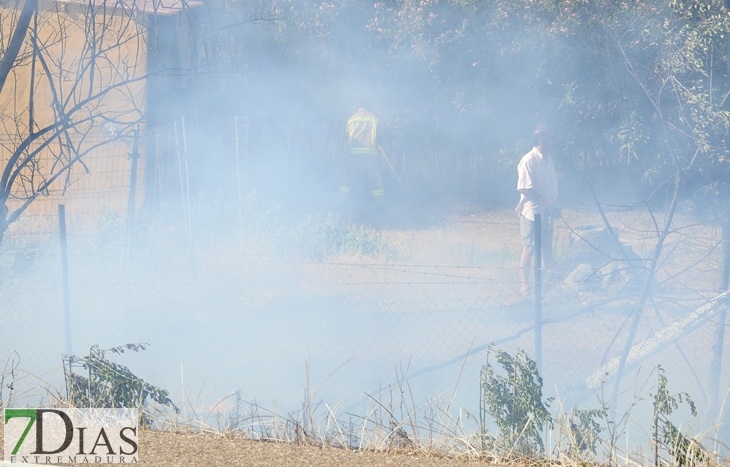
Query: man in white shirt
x=538 y=186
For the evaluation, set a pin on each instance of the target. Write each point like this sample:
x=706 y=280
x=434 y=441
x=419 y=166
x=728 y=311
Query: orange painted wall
x=98 y=186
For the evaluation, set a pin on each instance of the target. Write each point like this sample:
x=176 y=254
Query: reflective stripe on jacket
x=362 y=133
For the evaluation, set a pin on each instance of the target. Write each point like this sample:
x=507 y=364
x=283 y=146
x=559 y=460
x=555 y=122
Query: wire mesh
x=255 y=320
x=217 y=335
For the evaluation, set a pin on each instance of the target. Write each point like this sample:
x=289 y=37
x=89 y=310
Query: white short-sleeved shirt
x=537 y=172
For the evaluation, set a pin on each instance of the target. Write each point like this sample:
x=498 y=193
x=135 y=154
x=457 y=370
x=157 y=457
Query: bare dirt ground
x=170 y=449
x=165 y=449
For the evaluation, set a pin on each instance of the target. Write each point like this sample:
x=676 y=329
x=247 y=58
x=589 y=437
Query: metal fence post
x=132 y=195
x=64 y=273
x=182 y=164
x=241 y=163
x=719 y=335
x=538 y=292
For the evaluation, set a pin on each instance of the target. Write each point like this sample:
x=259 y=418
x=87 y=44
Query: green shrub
x=584 y=430
x=513 y=398
x=685 y=450
x=108 y=384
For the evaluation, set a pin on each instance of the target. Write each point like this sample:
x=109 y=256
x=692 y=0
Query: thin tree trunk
x=6 y=64
x=16 y=42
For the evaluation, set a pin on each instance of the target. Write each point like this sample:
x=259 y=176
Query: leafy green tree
x=638 y=84
x=637 y=88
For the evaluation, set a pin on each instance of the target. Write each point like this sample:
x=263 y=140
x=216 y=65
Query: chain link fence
x=232 y=304
x=215 y=338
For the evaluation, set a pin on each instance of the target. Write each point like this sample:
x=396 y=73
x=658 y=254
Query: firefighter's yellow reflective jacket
x=362 y=133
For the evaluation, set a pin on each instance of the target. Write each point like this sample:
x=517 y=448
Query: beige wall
x=65 y=36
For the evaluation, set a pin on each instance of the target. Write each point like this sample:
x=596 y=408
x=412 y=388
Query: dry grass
x=477 y=256
x=468 y=256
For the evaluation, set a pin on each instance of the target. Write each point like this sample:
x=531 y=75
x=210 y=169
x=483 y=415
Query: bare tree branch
x=16 y=42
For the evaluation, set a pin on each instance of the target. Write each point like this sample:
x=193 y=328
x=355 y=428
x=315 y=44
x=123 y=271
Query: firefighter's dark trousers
x=363 y=168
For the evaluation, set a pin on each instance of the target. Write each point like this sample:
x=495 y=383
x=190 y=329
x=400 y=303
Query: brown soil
x=165 y=449
x=172 y=449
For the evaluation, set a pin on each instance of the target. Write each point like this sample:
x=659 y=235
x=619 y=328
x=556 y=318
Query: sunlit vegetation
x=637 y=89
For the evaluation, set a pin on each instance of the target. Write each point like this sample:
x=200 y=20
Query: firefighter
x=363 y=159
